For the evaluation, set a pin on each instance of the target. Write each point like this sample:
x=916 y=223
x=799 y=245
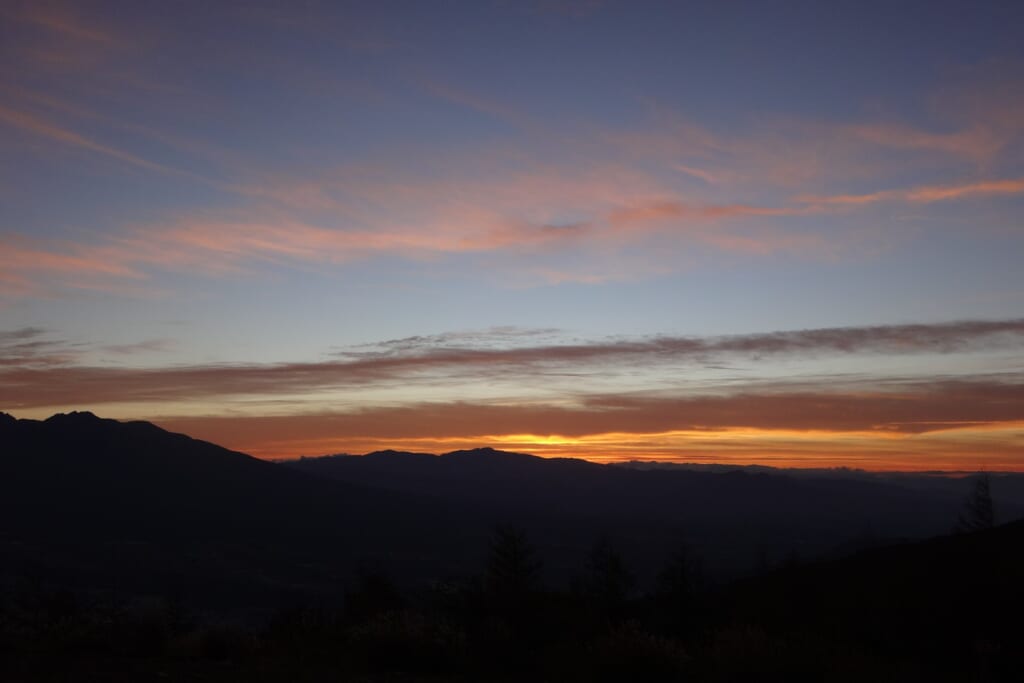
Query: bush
x=410 y=642
x=630 y=653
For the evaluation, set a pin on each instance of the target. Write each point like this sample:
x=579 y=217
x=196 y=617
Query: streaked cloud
x=33 y=347
x=288 y=178
x=144 y=346
x=426 y=363
x=37 y=126
x=58 y=36
x=978 y=143
x=665 y=184
x=926 y=194
x=926 y=407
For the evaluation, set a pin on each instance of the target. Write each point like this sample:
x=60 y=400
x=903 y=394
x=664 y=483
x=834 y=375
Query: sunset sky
x=788 y=233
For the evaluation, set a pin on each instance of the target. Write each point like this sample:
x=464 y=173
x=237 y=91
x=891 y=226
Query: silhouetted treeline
x=943 y=610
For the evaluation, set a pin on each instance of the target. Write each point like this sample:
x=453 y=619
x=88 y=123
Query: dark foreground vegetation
x=949 y=609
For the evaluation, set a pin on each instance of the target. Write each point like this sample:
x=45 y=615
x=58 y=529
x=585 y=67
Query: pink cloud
x=924 y=194
x=19 y=255
x=977 y=143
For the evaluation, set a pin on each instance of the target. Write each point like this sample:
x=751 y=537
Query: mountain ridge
x=76 y=484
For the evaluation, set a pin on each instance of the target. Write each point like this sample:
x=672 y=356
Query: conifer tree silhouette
x=513 y=569
x=678 y=584
x=607 y=581
x=978 y=512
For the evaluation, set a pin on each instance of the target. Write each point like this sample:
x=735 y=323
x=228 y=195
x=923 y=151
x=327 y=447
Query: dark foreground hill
x=948 y=608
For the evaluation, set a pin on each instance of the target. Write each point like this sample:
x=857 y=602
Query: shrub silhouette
x=629 y=653
x=373 y=594
x=410 y=642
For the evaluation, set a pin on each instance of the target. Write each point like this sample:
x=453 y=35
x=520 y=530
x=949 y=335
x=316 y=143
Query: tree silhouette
x=511 y=599
x=607 y=582
x=374 y=593
x=679 y=582
x=978 y=512
x=513 y=569
x=680 y=576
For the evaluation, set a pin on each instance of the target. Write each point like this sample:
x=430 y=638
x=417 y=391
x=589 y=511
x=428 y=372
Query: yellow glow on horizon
x=991 y=446
x=947 y=446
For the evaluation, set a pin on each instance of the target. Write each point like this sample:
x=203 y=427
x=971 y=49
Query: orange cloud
x=611 y=192
x=222 y=245
x=19 y=256
x=693 y=221
x=925 y=194
x=978 y=143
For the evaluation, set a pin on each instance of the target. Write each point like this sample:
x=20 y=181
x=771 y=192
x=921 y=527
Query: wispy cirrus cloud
x=974 y=127
x=36 y=348
x=33 y=124
x=517 y=214
x=501 y=336
x=925 y=194
x=517 y=209
x=144 y=346
x=786 y=154
x=32 y=348
x=978 y=143
x=28 y=386
x=662 y=185
x=58 y=35
x=219 y=245
x=59 y=19
x=37 y=267
x=20 y=334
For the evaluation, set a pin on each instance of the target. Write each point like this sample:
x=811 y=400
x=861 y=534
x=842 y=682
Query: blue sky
x=249 y=190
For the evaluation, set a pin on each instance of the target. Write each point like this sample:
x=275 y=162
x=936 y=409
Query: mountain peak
x=75 y=416
x=488 y=453
x=391 y=454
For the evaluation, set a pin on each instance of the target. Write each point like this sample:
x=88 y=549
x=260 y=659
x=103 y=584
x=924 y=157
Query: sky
x=787 y=233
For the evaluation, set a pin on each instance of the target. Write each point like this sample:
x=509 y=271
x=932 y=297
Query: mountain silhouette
x=131 y=504
x=731 y=515
x=134 y=508
x=117 y=512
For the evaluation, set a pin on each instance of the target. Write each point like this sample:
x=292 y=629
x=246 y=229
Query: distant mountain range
x=733 y=515
x=130 y=507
